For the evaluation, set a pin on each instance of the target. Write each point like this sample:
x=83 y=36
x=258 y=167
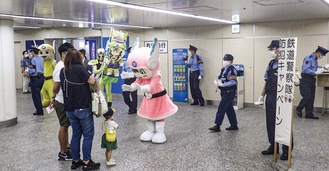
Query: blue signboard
x=180 y=77
x=33 y=43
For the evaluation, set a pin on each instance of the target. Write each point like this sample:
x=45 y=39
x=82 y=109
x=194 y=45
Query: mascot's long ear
x=154 y=59
x=136 y=44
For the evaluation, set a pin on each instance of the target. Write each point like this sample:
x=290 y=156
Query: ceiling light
x=72 y=21
x=327 y=1
x=138 y=7
x=28 y=27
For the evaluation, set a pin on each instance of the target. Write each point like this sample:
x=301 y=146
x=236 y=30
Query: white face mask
x=226 y=63
x=189 y=53
x=272 y=53
x=26 y=56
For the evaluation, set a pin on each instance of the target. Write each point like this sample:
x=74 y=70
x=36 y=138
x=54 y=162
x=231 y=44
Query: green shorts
x=108 y=145
x=62 y=118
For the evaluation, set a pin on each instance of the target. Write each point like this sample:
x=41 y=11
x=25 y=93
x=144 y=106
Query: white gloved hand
x=260 y=100
x=126 y=87
x=296 y=81
x=216 y=82
x=124 y=75
x=145 y=88
x=200 y=77
x=319 y=71
x=326 y=66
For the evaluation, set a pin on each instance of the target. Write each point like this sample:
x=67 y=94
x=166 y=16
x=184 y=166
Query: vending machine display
x=180 y=76
x=238 y=102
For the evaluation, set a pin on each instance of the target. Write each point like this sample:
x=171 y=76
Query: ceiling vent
x=277 y=2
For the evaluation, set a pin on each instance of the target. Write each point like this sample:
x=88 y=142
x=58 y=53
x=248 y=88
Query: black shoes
x=299 y=113
x=269 y=152
x=36 y=113
x=215 y=128
x=91 y=166
x=130 y=112
x=77 y=164
x=311 y=117
x=284 y=156
x=235 y=127
x=65 y=157
x=194 y=103
x=201 y=104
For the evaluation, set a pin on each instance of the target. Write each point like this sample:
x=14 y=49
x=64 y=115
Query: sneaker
x=91 y=166
x=77 y=164
x=64 y=157
x=110 y=163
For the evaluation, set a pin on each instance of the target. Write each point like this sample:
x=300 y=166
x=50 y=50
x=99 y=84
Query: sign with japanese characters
x=285 y=92
x=163 y=45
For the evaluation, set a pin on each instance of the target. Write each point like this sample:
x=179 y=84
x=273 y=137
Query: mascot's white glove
x=296 y=81
x=200 y=77
x=319 y=71
x=106 y=60
x=260 y=100
x=124 y=75
x=326 y=66
x=131 y=87
x=145 y=88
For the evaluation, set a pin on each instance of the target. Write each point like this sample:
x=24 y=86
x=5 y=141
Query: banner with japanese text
x=285 y=92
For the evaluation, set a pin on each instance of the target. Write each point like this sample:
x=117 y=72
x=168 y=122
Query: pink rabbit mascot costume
x=156 y=105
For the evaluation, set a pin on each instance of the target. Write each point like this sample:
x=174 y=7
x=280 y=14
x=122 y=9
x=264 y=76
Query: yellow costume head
x=46 y=51
x=100 y=54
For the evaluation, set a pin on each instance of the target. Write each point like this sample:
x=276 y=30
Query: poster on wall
x=285 y=92
x=33 y=43
x=163 y=45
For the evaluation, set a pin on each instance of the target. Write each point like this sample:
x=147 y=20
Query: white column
x=8 y=110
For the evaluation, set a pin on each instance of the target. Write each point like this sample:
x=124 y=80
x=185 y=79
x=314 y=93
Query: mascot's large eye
x=40 y=52
x=47 y=52
x=142 y=71
x=135 y=70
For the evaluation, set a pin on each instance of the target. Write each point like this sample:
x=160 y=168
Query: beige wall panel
x=272 y=29
x=309 y=27
x=242 y=51
x=161 y=34
x=207 y=32
x=246 y=30
x=181 y=33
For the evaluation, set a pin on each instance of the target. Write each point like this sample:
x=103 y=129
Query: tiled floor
x=32 y=143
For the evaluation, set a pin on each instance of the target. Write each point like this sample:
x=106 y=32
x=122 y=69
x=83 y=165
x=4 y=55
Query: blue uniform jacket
x=37 y=66
x=275 y=65
x=196 y=64
x=310 y=65
x=231 y=82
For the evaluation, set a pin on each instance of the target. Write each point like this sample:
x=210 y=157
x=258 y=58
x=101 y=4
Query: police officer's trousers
x=36 y=86
x=130 y=102
x=226 y=106
x=307 y=90
x=270 y=104
x=194 y=86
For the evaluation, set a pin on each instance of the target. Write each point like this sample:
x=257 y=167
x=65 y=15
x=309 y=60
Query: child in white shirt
x=110 y=124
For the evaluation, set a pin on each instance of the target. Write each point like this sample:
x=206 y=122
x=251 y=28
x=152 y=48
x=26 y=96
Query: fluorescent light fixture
x=72 y=21
x=138 y=7
x=28 y=27
x=327 y=1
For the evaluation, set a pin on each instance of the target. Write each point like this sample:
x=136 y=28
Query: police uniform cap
x=322 y=50
x=109 y=112
x=274 y=43
x=228 y=57
x=34 y=49
x=193 y=48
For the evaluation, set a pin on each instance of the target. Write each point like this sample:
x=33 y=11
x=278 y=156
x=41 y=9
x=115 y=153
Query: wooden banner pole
x=275 y=151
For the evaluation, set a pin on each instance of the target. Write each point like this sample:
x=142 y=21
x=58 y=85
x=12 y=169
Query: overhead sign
x=163 y=45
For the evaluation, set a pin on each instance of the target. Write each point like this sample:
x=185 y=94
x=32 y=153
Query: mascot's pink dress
x=156 y=105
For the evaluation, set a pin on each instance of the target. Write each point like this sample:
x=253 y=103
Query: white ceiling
x=250 y=11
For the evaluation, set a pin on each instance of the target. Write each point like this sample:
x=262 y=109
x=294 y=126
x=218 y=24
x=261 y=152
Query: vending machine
x=180 y=76
x=238 y=102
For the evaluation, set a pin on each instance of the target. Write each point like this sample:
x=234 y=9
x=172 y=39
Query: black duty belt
x=161 y=93
x=307 y=76
x=48 y=78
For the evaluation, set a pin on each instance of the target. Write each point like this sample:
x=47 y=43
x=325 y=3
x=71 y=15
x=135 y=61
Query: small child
x=110 y=124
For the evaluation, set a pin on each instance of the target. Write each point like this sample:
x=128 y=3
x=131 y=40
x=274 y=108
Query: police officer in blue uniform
x=307 y=83
x=271 y=81
x=129 y=78
x=37 y=79
x=227 y=83
x=195 y=64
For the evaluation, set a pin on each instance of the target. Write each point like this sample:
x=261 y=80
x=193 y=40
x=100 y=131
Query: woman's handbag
x=98 y=101
x=110 y=136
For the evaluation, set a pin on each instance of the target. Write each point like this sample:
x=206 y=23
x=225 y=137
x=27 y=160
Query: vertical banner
x=285 y=92
x=92 y=49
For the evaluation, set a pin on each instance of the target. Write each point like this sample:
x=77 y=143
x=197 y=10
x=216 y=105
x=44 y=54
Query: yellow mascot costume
x=48 y=54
